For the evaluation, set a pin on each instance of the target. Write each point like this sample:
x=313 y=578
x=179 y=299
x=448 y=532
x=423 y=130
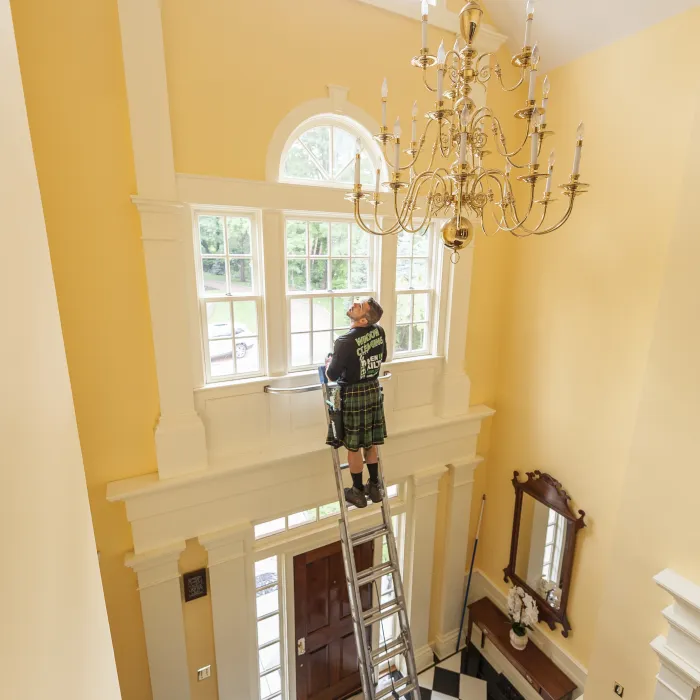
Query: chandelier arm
x=519 y=223
x=497 y=70
x=380 y=231
x=412 y=196
x=559 y=224
x=425 y=81
x=502 y=141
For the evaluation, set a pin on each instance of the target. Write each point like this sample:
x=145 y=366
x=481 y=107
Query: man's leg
x=373 y=488
x=356 y=495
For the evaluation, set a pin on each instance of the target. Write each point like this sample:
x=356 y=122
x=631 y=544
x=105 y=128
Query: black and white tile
x=448 y=679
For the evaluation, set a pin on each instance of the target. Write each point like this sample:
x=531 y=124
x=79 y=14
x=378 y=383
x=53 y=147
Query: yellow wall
x=578 y=320
x=70 y=56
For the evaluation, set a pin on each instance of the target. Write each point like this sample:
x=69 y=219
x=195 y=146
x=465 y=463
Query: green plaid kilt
x=362 y=407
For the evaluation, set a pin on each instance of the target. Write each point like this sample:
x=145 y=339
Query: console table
x=537 y=668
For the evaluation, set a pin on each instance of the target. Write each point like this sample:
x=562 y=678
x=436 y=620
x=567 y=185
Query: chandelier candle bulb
x=424 y=24
x=548 y=185
x=535 y=147
x=358 y=151
x=376 y=182
x=397 y=153
x=441 y=56
x=530 y=9
x=579 y=147
x=385 y=95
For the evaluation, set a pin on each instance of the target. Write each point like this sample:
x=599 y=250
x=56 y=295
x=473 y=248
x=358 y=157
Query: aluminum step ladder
x=372 y=662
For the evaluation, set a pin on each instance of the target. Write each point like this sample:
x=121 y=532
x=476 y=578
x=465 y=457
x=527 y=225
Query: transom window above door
x=324 y=154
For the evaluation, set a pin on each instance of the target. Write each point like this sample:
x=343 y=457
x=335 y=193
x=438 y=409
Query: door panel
x=328 y=670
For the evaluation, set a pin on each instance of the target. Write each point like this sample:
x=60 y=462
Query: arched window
x=321 y=151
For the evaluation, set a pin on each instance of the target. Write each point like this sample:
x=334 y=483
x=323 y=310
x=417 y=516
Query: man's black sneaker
x=375 y=491
x=356 y=497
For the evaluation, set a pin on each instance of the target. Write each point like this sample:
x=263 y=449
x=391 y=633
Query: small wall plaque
x=194 y=584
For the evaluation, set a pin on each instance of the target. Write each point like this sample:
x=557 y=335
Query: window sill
x=255 y=385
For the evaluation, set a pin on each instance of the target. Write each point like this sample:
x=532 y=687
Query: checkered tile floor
x=447 y=679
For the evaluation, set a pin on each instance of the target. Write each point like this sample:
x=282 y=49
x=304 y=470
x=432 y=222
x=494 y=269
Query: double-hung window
x=328 y=263
x=415 y=293
x=230 y=294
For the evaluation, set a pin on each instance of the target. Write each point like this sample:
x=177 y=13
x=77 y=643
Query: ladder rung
x=394 y=649
x=368 y=535
x=369 y=575
x=376 y=614
x=344 y=465
x=402 y=688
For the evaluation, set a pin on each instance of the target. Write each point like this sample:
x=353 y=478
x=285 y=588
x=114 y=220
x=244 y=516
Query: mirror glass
x=540 y=551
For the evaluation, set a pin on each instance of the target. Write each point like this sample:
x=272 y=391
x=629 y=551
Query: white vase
x=518 y=642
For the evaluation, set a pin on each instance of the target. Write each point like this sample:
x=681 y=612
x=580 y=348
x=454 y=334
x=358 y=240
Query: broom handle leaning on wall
x=471 y=569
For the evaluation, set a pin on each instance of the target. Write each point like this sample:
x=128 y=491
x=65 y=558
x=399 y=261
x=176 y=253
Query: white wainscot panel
x=308 y=412
x=236 y=424
x=414 y=388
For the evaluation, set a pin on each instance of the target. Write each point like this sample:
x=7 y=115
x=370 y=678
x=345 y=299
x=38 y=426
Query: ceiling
x=567 y=29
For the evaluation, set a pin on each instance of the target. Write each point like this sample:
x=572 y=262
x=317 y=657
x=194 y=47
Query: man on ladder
x=358 y=424
x=355 y=364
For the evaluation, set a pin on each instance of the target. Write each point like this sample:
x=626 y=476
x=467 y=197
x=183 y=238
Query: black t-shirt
x=358 y=355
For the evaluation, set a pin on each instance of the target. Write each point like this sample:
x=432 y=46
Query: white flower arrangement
x=522 y=611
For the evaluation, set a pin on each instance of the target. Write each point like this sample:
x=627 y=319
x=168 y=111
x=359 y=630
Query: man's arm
x=337 y=364
x=384 y=338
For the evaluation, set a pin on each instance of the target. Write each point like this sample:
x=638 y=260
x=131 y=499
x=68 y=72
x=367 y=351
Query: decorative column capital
x=426 y=482
x=463 y=472
x=680 y=652
x=157 y=565
x=229 y=544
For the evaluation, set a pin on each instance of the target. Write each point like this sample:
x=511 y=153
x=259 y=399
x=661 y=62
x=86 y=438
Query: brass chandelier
x=463 y=188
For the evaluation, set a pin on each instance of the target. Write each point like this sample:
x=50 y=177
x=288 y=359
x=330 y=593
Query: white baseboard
x=424 y=657
x=482 y=586
x=445 y=644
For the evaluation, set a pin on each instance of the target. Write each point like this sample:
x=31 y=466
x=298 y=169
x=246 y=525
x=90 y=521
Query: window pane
x=245 y=314
x=211 y=235
x=340 y=239
x=269 y=657
x=296 y=275
x=270 y=684
x=267 y=601
x=359 y=276
x=340 y=274
x=300 y=315
x=299 y=164
x=219 y=319
x=403 y=273
x=419 y=279
x=420 y=245
x=360 y=241
x=329 y=510
x=322 y=346
x=268 y=630
x=238 y=235
x=343 y=149
x=221 y=356
x=318 y=238
x=247 y=355
x=214 y=275
x=420 y=307
x=303 y=518
x=301 y=355
x=340 y=312
x=347 y=174
x=318 y=141
x=241 y=275
x=296 y=238
x=322 y=313
x=419 y=337
x=269 y=528
x=318 y=274
x=402 y=338
x=392 y=491
x=367 y=171
x=266 y=569
x=404 y=244
x=403 y=308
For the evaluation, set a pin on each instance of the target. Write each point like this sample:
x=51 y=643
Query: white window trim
x=258 y=292
x=338 y=120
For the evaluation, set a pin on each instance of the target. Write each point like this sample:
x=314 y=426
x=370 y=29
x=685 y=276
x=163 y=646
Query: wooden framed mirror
x=543 y=544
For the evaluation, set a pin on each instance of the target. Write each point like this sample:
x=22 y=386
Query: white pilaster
x=161 y=606
x=233 y=612
x=455 y=560
x=275 y=290
x=418 y=567
x=453 y=398
x=679 y=653
x=180 y=440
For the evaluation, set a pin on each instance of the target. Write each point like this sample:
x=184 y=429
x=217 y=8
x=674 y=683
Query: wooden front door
x=328 y=668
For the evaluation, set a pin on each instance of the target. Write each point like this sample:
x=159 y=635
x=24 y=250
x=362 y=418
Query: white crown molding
x=426 y=482
x=440 y=17
x=157 y=565
x=228 y=544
